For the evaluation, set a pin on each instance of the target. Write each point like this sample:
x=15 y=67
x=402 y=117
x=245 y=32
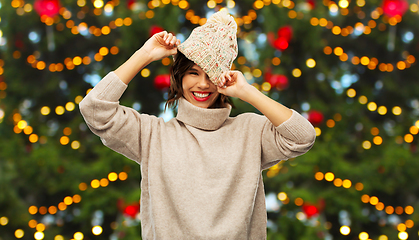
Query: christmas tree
x=348 y=66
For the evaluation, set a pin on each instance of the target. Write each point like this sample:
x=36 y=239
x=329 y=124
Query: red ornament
x=315 y=117
x=395 y=7
x=281 y=44
x=162 y=81
x=279 y=81
x=130 y=4
x=312 y=3
x=49 y=8
x=155 y=29
x=132 y=210
x=310 y=210
x=285 y=32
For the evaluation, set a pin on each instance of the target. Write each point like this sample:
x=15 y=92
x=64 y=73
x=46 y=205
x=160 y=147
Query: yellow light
x=409 y=223
x=397 y=110
x=366 y=144
x=417 y=123
x=414 y=130
x=58 y=237
x=68 y=200
x=22 y=124
x=97 y=230
x=346 y=183
x=28 y=130
x=67 y=131
x=351 y=93
x=403 y=235
x=299 y=201
x=377 y=140
x=103 y=51
x=127 y=21
x=338 y=51
x=343 y=3
x=33 y=210
x=95 y=183
x=319 y=176
x=372 y=106
x=318 y=131
x=360 y=3
x=112 y=176
x=414 y=7
x=19 y=233
x=373 y=200
x=52 y=210
x=32 y=223
x=379 y=206
x=81 y=3
x=257 y=73
x=108 y=8
x=365 y=60
x=123 y=176
x=266 y=86
x=62 y=206
x=98 y=3
x=76 y=198
x=409 y=210
x=359 y=186
x=4 y=221
x=345 y=230
x=64 y=140
x=337 y=182
x=59 y=110
x=33 y=138
x=282 y=196
x=401 y=227
x=336 y=30
x=333 y=8
x=145 y=72
x=363 y=236
x=39 y=235
x=70 y=106
x=363 y=99
x=231 y=4
x=330 y=123
x=75 y=145
x=296 y=72
x=78 y=236
x=104 y=182
x=311 y=63
x=327 y=50
x=82 y=186
x=408 y=138
x=78 y=99
x=382 y=110
x=258 y=4
x=329 y=176
x=183 y=4
x=211 y=4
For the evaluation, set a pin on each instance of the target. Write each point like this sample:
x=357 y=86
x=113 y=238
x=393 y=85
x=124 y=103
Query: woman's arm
x=159 y=46
x=237 y=86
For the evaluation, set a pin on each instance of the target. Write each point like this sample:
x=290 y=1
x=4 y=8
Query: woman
x=201 y=171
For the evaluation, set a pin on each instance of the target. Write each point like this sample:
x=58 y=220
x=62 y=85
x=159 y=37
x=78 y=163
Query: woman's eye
x=194 y=73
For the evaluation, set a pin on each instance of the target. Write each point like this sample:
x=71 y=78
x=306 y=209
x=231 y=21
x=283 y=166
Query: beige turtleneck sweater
x=201 y=171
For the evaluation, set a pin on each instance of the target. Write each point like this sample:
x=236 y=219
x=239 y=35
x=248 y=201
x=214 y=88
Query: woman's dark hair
x=179 y=68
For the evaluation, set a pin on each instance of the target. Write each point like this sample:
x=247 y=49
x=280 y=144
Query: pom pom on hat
x=213 y=46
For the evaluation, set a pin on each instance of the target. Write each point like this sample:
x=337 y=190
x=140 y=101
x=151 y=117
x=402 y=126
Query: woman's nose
x=204 y=82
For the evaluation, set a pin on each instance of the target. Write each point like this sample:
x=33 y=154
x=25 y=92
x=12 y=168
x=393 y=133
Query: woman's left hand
x=233 y=84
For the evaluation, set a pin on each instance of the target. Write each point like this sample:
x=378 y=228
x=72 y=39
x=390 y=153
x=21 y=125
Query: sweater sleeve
x=117 y=126
x=292 y=138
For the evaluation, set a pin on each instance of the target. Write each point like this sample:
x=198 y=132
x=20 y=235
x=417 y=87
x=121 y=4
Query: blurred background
x=349 y=66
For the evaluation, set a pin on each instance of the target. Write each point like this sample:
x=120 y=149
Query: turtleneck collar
x=202 y=118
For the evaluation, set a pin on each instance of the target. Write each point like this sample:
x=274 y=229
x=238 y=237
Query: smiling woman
x=201 y=171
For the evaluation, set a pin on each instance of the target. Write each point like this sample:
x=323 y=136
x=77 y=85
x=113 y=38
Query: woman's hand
x=161 y=45
x=233 y=84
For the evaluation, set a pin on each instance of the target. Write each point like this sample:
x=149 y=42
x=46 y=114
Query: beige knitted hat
x=213 y=46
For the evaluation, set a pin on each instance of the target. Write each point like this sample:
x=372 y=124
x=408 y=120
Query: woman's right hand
x=161 y=45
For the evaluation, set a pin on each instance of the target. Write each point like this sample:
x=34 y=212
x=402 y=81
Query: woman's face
x=198 y=89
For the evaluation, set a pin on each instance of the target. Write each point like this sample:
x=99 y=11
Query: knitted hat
x=213 y=46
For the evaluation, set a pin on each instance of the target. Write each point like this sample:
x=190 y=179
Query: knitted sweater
x=201 y=171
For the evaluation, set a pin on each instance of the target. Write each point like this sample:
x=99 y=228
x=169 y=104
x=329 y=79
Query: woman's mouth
x=201 y=96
